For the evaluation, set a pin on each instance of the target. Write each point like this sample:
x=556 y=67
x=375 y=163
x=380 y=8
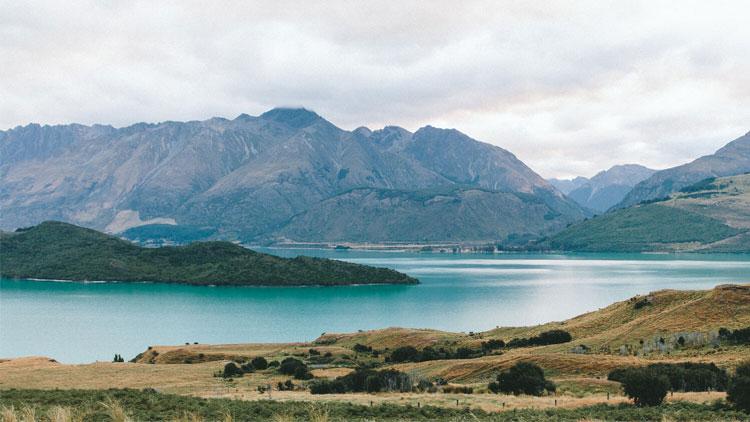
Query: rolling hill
x=710 y=216
x=61 y=251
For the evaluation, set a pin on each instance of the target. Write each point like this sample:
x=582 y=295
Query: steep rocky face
x=732 y=159
x=244 y=178
x=609 y=187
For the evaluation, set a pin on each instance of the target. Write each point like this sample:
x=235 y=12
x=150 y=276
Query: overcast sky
x=569 y=87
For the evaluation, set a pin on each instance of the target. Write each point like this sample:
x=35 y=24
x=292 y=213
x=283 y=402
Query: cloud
x=569 y=87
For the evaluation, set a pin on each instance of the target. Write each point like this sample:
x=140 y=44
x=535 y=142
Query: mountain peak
x=293 y=117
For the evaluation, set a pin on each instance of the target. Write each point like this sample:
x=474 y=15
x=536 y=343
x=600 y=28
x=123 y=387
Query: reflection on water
x=77 y=322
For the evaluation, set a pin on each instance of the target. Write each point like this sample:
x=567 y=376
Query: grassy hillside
x=712 y=215
x=54 y=250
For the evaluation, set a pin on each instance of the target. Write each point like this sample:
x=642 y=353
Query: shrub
x=646 y=387
x=231 y=370
x=404 y=354
x=425 y=385
x=273 y=364
x=260 y=363
x=738 y=392
x=287 y=385
x=492 y=344
x=247 y=368
x=325 y=386
x=363 y=379
x=288 y=366
x=739 y=336
x=373 y=384
x=494 y=387
x=685 y=376
x=545 y=338
x=522 y=378
x=361 y=348
x=465 y=353
x=302 y=373
x=313 y=352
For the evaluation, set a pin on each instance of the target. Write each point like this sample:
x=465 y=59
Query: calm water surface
x=77 y=322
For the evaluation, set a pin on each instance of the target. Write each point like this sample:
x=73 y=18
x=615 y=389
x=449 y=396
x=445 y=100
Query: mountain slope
x=243 y=179
x=54 y=250
x=607 y=188
x=730 y=160
x=567 y=185
x=378 y=215
x=712 y=215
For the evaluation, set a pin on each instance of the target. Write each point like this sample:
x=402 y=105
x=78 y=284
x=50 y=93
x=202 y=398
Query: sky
x=570 y=87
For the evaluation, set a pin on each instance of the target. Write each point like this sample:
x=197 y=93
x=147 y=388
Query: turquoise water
x=77 y=322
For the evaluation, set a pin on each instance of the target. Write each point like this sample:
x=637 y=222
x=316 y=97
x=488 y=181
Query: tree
x=259 y=363
x=645 y=386
x=738 y=392
x=522 y=378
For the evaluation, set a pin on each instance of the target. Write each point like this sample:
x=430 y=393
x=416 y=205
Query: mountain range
x=606 y=189
x=287 y=174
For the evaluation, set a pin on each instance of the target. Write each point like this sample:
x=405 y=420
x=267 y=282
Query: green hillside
x=54 y=250
x=712 y=215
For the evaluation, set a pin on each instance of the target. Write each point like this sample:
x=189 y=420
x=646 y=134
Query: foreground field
x=151 y=406
x=666 y=326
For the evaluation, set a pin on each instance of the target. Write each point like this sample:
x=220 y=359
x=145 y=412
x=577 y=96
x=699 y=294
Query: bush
x=646 y=387
x=302 y=373
x=273 y=364
x=231 y=370
x=543 y=339
x=287 y=385
x=361 y=348
x=425 y=385
x=739 y=336
x=373 y=384
x=685 y=376
x=289 y=366
x=522 y=378
x=492 y=344
x=325 y=386
x=362 y=380
x=405 y=354
x=738 y=392
x=260 y=363
x=247 y=368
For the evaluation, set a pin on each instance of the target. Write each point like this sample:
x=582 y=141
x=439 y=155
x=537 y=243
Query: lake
x=83 y=322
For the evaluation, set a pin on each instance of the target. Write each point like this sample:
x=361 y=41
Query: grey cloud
x=570 y=88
